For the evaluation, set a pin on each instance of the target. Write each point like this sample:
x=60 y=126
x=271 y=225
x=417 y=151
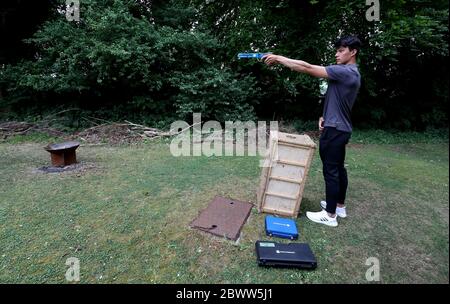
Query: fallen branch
x=67 y=110
x=170 y=133
x=137 y=127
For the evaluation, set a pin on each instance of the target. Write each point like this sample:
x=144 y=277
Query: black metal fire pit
x=63 y=154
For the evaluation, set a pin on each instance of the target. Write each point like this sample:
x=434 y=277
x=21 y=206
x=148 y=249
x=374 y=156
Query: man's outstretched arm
x=297 y=65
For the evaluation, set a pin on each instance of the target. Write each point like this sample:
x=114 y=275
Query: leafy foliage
x=145 y=63
x=404 y=60
x=161 y=60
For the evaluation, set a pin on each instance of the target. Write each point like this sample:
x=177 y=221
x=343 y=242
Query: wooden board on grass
x=283 y=179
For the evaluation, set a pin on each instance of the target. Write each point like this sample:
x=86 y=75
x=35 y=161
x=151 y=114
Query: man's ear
x=353 y=52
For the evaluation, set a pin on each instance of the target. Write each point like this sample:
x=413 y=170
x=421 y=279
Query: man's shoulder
x=343 y=67
x=342 y=71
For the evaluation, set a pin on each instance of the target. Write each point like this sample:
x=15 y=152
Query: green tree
x=132 y=57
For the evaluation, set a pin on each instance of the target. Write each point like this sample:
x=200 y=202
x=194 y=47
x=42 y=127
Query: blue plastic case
x=281 y=227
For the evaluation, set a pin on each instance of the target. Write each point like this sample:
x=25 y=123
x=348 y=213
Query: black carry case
x=298 y=255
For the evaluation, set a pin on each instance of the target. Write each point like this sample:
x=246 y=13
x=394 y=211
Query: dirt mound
x=114 y=133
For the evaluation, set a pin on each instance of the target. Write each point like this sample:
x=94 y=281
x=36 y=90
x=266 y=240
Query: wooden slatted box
x=284 y=176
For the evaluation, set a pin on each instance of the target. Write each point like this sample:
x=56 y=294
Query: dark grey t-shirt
x=344 y=81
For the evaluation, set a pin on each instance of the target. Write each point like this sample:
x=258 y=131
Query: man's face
x=344 y=55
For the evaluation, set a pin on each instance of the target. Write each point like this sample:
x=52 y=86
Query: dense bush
x=115 y=59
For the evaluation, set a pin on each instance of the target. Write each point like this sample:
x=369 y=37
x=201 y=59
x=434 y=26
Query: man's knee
x=331 y=170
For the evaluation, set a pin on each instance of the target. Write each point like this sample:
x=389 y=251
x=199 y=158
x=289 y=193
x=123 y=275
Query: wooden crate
x=284 y=176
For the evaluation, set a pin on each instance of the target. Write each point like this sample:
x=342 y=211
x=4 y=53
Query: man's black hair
x=352 y=42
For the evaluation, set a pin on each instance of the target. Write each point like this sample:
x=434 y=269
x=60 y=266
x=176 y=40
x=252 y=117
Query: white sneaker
x=322 y=217
x=340 y=211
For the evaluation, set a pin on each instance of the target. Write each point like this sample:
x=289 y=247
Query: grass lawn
x=127 y=219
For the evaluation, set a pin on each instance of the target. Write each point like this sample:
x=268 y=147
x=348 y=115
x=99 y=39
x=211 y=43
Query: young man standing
x=344 y=81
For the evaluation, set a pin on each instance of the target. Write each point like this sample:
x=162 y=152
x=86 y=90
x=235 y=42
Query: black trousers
x=332 y=153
